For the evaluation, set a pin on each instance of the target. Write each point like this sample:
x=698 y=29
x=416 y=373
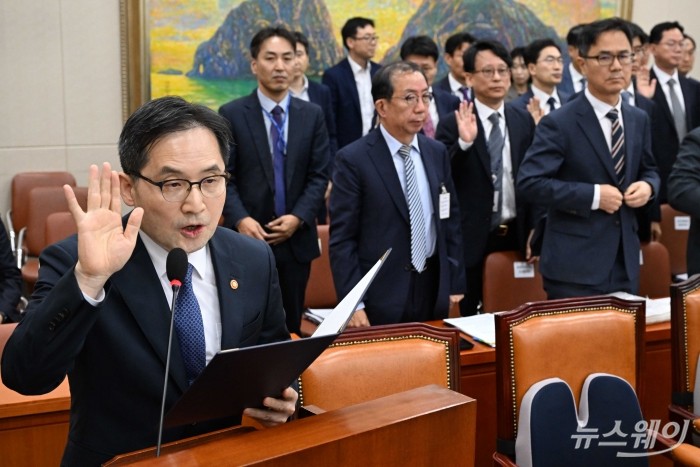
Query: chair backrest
x=43 y=201
x=320 y=290
x=23 y=182
x=502 y=290
x=59 y=225
x=655 y=271
x=568 y=339
x=674 y=236
x=685 y=339
x=368 y=363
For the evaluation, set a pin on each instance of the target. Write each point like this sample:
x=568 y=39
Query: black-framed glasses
x=176 y=190
x=412 y=99
x=607 y=59
x=367 y=38
x=491 y=72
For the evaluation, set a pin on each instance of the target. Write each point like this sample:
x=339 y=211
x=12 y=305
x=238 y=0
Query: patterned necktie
x=278 y=157
x=419 y=244
x=677 y=110
x=552 y=102
x=465 y=93
x=617 y=145
x=429 y=128
x=190 y=329
x=583 y=84
x=495 y=147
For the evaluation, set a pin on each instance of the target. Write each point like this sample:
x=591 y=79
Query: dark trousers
x=422 y=292
x=293 y=277
x=475 y=281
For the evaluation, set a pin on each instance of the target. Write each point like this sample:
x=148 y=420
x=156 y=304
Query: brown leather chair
x=320 y=290
x=22 y=183
x=655 y=271
x=675 y=240
x=502 y=290
x=59 y=225
x=367 y=363
x=42 y=202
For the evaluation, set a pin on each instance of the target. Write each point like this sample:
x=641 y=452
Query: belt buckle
x=502 y=230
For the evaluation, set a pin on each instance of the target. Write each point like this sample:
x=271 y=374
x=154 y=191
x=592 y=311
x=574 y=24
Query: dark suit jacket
x=10 y=279
x=320 y=95
x=684 y=193
x=445 y=102
x=522 y=101
x=251 y=189
x=664 y=137
x=346 y=100
x=369 y=215
x=471 y=172
x=567 y=158
x=567 y=85
x=114 y=354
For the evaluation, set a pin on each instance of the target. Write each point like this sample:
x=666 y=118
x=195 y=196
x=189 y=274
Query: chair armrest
x=686 y=455
x=309 y=411
x=501 y=460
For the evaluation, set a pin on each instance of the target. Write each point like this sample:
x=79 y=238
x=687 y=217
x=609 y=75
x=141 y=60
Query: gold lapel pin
x=233 y=284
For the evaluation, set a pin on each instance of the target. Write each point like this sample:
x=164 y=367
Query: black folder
x=239 y=378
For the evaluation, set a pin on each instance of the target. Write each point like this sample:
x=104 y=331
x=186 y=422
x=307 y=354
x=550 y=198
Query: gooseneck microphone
x=176 y=269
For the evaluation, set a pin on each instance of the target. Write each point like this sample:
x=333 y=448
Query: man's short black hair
x=455 y=41
x=592 y=32
x=638 y=32
x=517 y=52
x=690 y=38
x=382 y=82
x=423 y=46
x=163 y=116
x=268 y=32
x=572 y=37
x=657 y=31
x=351 y=26
x=534 y=48
x=497 y=48
x=300 y=38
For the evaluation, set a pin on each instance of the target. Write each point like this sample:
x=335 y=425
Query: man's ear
x=254 y=67
x=380 y=107
x=126 y=186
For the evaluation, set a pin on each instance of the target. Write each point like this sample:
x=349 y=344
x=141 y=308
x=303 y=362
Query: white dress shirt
x=455 y=86
x=304 y=93
x=544 y=97
x=576 y=78
x=363 y=81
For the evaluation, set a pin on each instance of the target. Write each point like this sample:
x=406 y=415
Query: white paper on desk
x=481 y=327
x=317 y=315
x=335 y=322
x=658 y=310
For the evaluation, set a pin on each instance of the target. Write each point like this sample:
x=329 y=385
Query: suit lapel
x=256 y=126
x=632 y=148
x=382 y=160
x=688 y=100
x=296 y=128
x=660 y=98
x=482 y=149
x=227 y=269
x=351 y=87
x=588 y=123
x=515 y=137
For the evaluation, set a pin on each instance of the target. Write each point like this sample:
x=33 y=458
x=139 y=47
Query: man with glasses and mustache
x=393 y=189
x=590 y=164
x=100 y=312
x=677 y=98
x=350 y=81
x=487 y=141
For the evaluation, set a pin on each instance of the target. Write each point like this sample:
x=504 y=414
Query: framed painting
x=198 y=49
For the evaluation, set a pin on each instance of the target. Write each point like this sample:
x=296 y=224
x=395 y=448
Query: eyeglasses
x=551 y=60
x=412 y=99
x=367 y=38
x=606 y=59
x=490 y=72
x=673 y=44
x=177 y=190
x=640 y=50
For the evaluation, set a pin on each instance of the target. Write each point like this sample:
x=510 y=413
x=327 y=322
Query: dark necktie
x=495 y=148
x=278 y=156
x=190 y=329
x=583 y=84
x=465 y=93
x=677 y=110
x=617 y=145
x=428 y=127
x=419 y=244
x=552 y=102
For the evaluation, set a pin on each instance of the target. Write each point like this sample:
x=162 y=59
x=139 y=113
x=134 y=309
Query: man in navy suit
x=100 y=309
x=677 y=98
x=393 y=189
x=572 y=80
x=456 y=81
x=278 y=167
x=492 y=217
x=545 y=64
x=591 y=164
x=350 y=81
x=423 y=51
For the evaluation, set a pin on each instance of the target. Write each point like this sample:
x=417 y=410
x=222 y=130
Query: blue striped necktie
x=190 y=329
x=419 y=244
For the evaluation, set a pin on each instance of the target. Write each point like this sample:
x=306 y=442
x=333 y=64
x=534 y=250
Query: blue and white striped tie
x=419 y=247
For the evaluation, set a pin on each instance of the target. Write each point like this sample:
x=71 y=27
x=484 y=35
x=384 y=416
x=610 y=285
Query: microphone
x=176 y=269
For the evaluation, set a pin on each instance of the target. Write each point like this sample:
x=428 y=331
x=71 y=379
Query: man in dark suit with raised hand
x=393 y=189
x=485 y=159
x=591 y=164
x=100 y=309
x=350 y=81
x=278 y=167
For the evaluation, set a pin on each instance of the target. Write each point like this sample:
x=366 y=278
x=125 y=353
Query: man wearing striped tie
x=591 y=164
x=393 y=189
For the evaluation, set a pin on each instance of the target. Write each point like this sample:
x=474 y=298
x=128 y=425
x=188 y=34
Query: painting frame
x=135 y=52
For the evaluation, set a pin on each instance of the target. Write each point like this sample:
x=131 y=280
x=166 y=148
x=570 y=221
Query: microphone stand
x=176 y=290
